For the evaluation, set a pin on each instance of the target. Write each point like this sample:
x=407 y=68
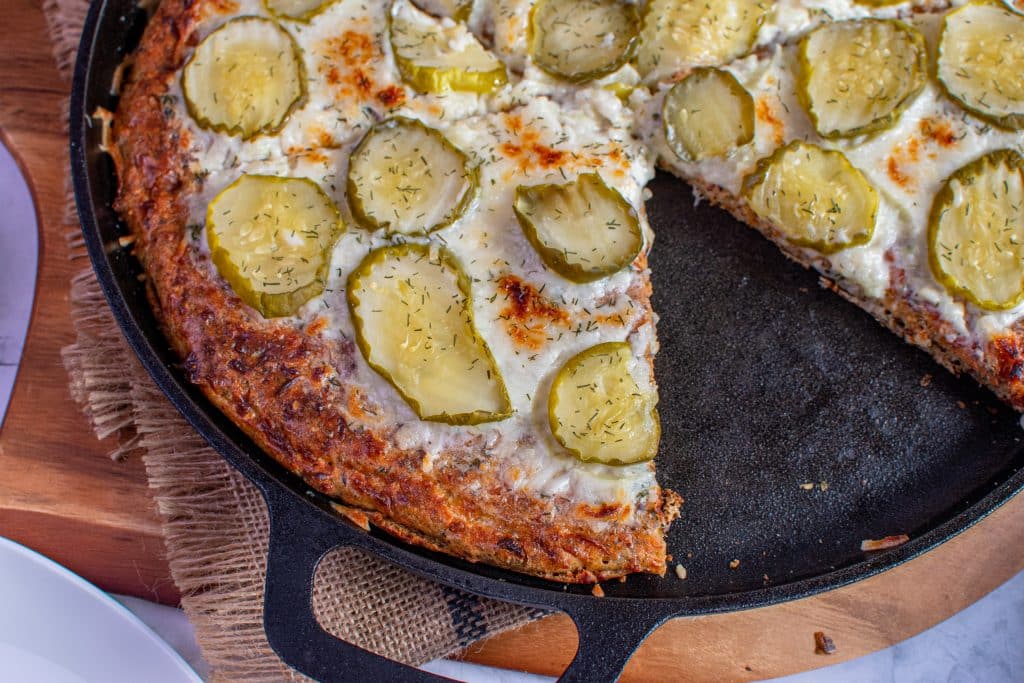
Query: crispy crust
x=999 y=365
x=290 y=389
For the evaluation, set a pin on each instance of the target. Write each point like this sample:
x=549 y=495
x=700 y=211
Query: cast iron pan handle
x=296 y=549
x=609 y=630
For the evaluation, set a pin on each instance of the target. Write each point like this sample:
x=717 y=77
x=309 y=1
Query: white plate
x=55 y=627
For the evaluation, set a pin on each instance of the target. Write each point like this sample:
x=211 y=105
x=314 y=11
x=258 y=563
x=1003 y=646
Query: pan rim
x=272 y=479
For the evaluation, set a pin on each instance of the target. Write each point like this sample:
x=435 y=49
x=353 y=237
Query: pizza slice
x=415 y=278
x=901 y=187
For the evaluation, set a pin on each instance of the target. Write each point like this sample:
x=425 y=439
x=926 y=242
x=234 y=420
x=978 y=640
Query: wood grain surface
x=61 y=495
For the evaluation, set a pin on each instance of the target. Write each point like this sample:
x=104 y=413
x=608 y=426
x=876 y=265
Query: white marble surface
x=984 y=643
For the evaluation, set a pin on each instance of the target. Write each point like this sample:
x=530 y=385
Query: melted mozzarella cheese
x=907 y=162
x=536 y=131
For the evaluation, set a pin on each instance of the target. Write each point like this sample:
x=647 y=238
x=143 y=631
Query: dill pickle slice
x=457 y=10
x=245 y=78
x=857 y=77
x=677 y=34
x=270 y=238
x=707 y=114
x=435 y=56
x=413 y=317
x=814 y=197
x=981 y=62
x=580 y=40
x=976 y=231
x=599 y=412
x=406 y=178
x=296 y=10
x=583 y=230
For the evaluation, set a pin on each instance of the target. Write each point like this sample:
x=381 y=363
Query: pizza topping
x=981 y=62
x=530 y=319
x=407 y=178
x=814 y=197
x=413 y=318
x=459 y=10
x=298 y=10
x=681 y=33
x=598 y=410
x=437 y=56
x=269 y=237
x=976 y=235
x=245 y=78
x=583 y=230
x=707 y=114
x=858 y=76
x=580 y=40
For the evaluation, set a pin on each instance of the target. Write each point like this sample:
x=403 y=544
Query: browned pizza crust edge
x=999 y=365
x=287 y=388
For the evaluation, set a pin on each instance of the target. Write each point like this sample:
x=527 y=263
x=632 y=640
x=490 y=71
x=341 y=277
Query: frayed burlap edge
x=215 y=522
x=64 y=19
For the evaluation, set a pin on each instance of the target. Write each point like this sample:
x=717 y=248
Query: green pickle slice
x=976 y=231
x=435 y=57
x=413 y=319
x=296 y=10
x=583 y=230
x=598 y=410
x=707 y=114
x=580 y=40
x=981 y=62
x=406 y=178
x=857 y=77
x=457 y=10
x=245 y=78
x=814 y=197
x=270 y=238
x=678 y=34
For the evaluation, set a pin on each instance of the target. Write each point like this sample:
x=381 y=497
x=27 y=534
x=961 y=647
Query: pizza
x=403 y=245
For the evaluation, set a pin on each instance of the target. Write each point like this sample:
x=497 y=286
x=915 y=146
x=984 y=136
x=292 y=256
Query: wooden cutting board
x=62 y=495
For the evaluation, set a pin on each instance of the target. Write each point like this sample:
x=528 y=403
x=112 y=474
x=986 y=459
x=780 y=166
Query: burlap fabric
x=215 y=522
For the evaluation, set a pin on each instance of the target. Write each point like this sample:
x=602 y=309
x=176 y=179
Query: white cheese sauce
x=907 y=163
x=537 y=131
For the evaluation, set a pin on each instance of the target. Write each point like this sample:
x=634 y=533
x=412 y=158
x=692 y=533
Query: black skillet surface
x=767 y=382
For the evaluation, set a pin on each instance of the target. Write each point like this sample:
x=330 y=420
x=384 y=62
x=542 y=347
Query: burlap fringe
x=102 y=388
x=226 y=612
x=65 y=20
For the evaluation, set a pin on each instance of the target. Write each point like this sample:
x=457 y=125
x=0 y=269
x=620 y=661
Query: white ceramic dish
x=55 y=627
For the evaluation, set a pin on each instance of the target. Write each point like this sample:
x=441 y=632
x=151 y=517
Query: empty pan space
x=769 y=383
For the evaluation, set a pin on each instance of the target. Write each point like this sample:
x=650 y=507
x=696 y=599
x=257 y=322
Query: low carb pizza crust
x=292 y=391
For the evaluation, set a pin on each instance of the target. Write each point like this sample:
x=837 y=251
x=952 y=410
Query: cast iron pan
x=767 y=381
